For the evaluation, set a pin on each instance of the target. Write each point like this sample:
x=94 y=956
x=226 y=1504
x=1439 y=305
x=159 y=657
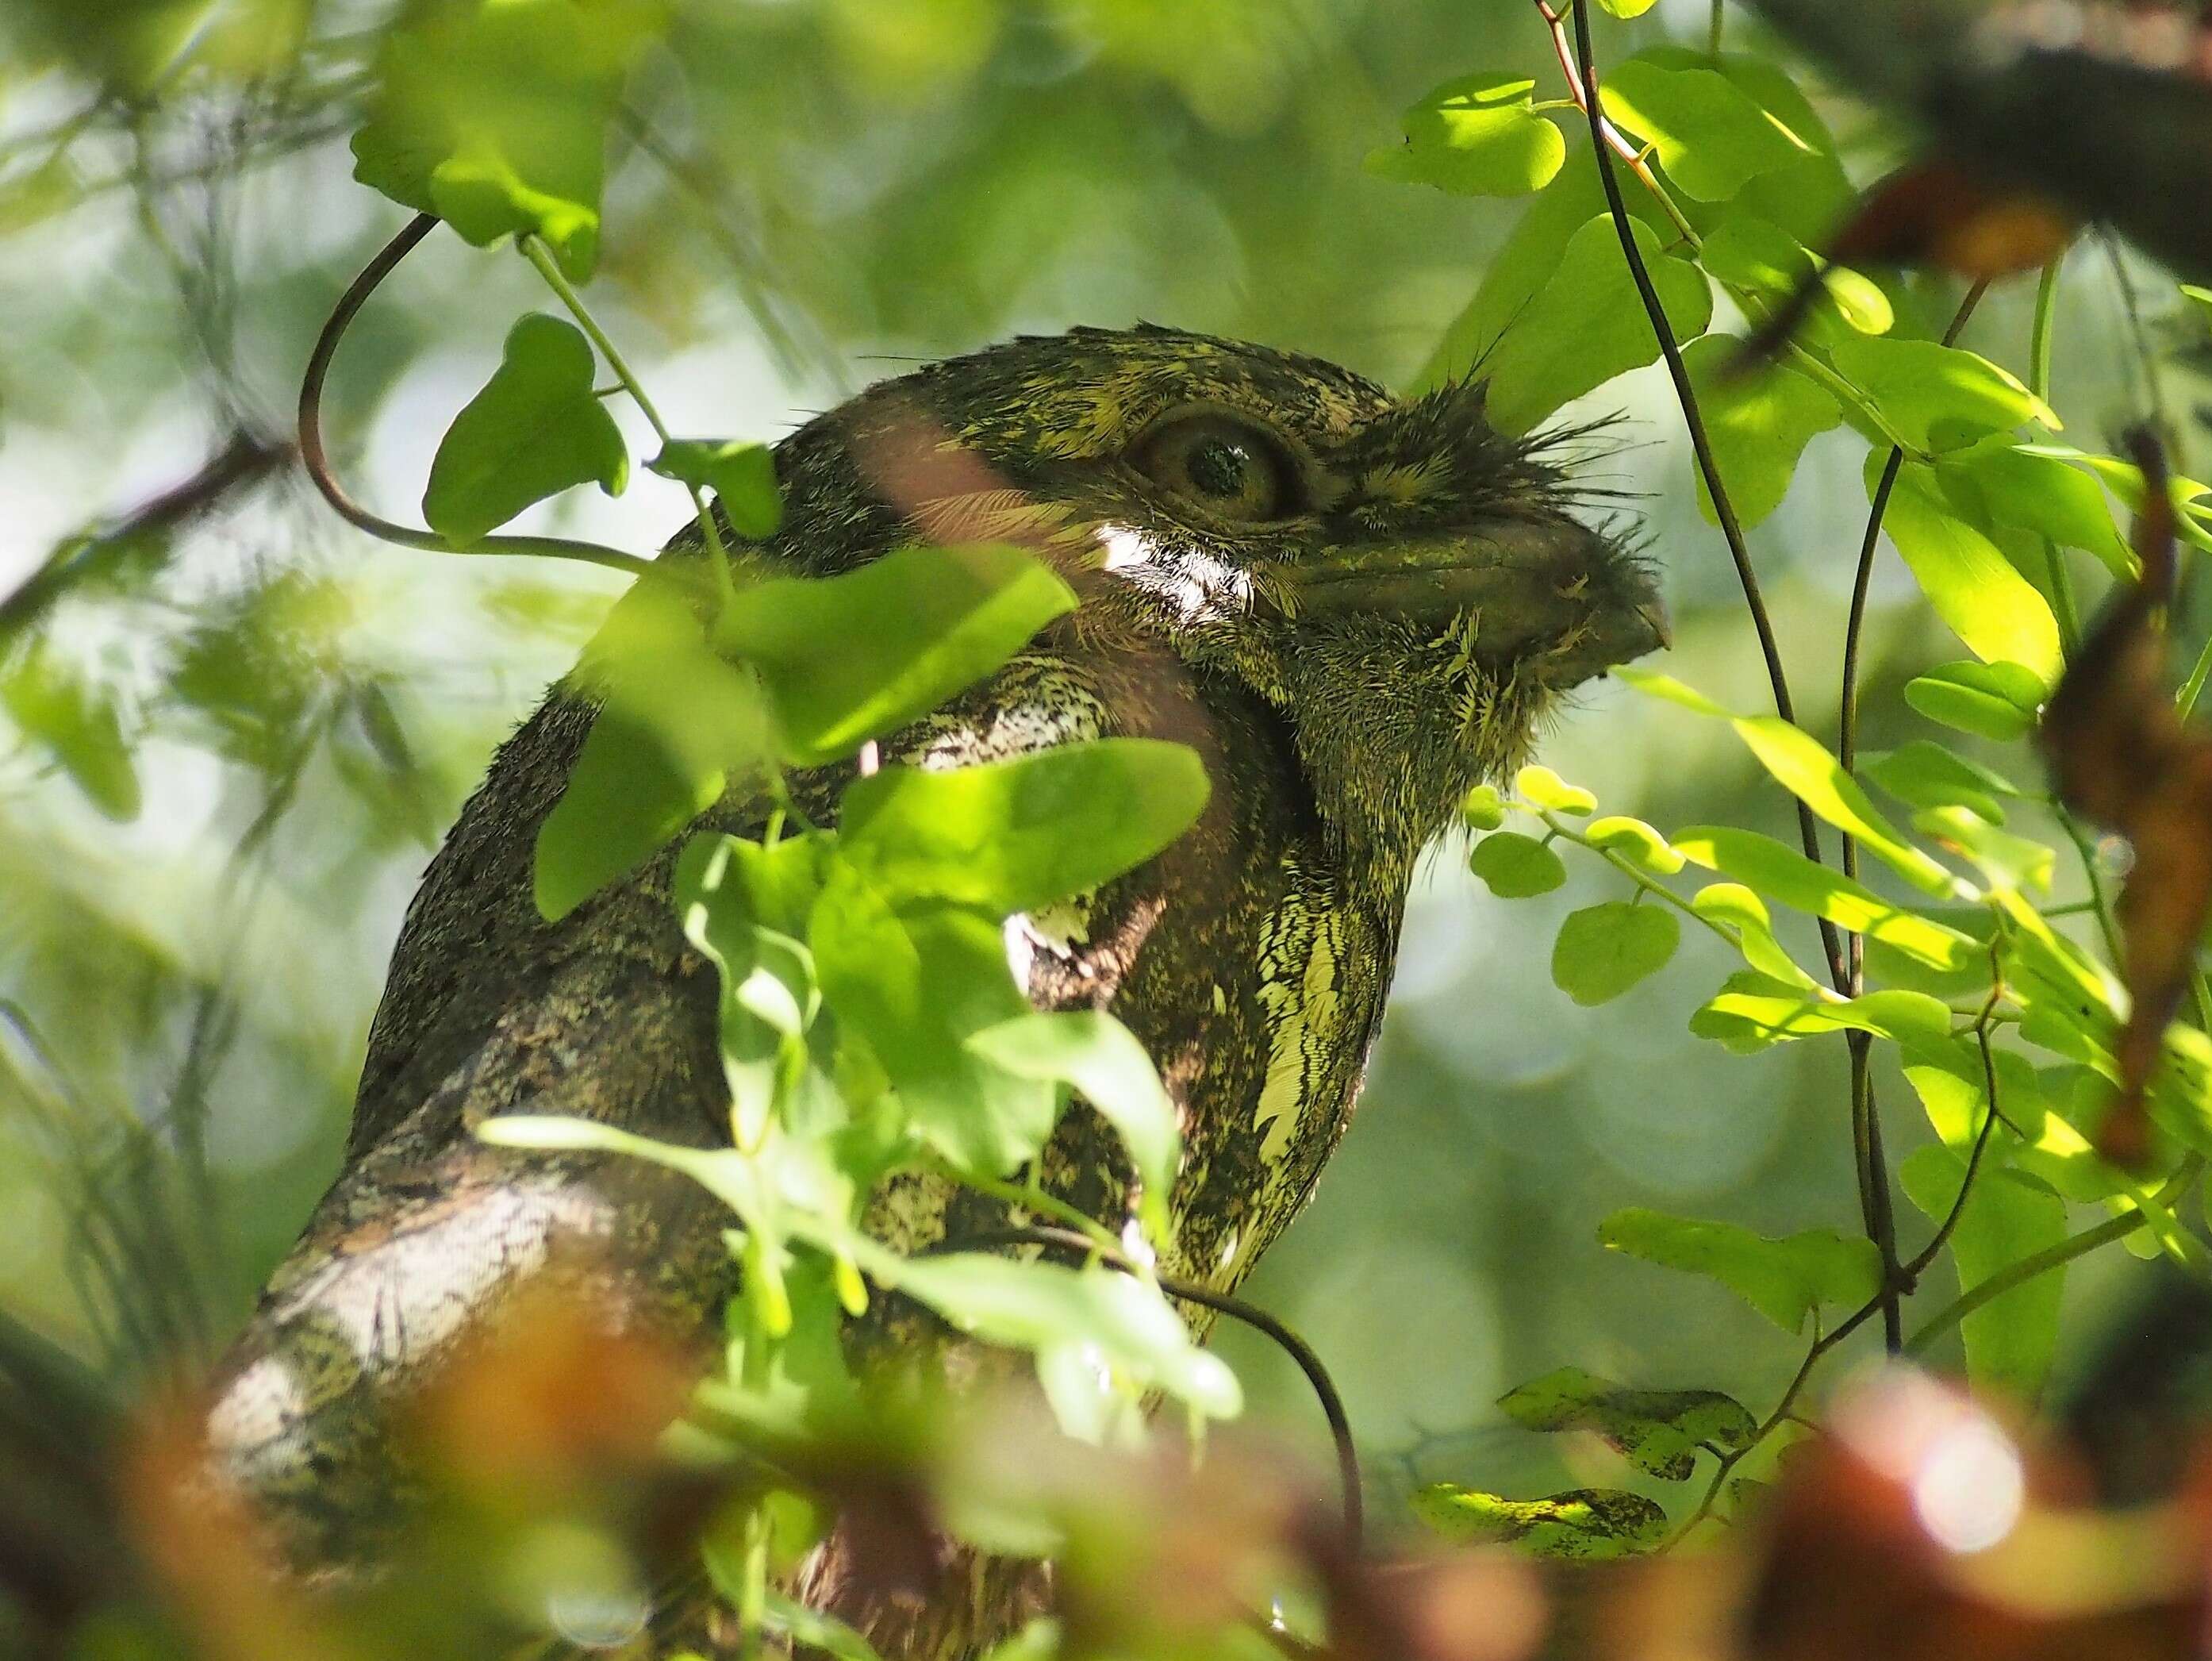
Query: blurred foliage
x=235 y=728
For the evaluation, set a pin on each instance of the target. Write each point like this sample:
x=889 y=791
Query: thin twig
x=1875 y=1208
x=243 y=462
x=1700 y=441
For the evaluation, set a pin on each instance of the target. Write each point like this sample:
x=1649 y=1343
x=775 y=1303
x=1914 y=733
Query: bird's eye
x=1232 y=468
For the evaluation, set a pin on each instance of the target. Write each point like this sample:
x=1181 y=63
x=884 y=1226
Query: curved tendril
x=316 y=459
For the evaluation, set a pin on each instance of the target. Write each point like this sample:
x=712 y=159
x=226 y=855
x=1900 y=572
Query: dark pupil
x=1219 y=466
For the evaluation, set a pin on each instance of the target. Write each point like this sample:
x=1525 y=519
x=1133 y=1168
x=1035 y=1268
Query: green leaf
x=77 y=724
x=2004 y=859
x=675 y=720
x=1951 y=1087
x=533 y=432
x=1012 y=836
x=1589 y=325
x=1784 y=1280
x=1783 y=873
x=741 y=475
x=849 y=658
x=1750 y=253
x=1516 y=867
x=1753 y=1011
x=1521 y=271
x=1484 y=808
x=916 y=983
x=1475 y=136
x=1937 y=396
x=1636 y=841
x=1040 y=1306
x=2011 y=1340
x=492 y=114
x=2125 y=480
x=1759 y=424
x=1547 y=789
x=1803 y=765
x=1590 y=1523
x=1653 y=684
x=1603 y=950
x=1626 y=7
x=2025 y=489
x=1712 y=139
x=769 y=996
x=1659 y=1431
x=1924 y=775
x=1998 y=701
x=2001 y=615
x=1740 y=911
x=1094 y=1053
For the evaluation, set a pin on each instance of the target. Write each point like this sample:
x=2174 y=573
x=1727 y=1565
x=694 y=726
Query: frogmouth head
x=1401 y=585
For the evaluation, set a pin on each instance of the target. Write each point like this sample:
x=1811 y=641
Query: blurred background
x=231 y=735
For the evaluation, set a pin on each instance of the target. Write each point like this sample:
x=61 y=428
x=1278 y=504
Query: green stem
x=1713 y=32
x=1031 y=1198
x=2056 y=1256
x=534 y=249
x=2195 y=684
x=2040 y=336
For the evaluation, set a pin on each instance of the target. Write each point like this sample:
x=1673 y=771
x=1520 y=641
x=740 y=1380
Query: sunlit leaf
x=1547 y=789
x=1590 y=324
x=2001 y=615
x=849 y=658
x=533 y=431
x=1657 y=685
x=2004 y=858
x=1632 y=840
x=492 y=114
x=2027 y=489
x=1094 y=1053
x=1753 y=253
x=916 y=984
x=1711 y=139
x=1784 y=1280
x=1038 y=1305
x=2011 y=1340
x=1475 y=136
x=675 y=720
x=1604 y=949
x=1740 y=911
x=741 y=475
x=1998 y=701
x=1583 y=1523
x=1937 y=396
x=1759 y=425
x=1659 y=1431
x=1011 y=835
x=1802 y=763
x=1924 y=775
x=1783 y=873
x=1752 y=1011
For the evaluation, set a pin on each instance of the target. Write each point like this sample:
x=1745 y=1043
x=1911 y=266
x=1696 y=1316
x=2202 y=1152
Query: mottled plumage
x=1388 y=633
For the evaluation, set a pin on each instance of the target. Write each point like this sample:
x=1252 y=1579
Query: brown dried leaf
x=2120 y=755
